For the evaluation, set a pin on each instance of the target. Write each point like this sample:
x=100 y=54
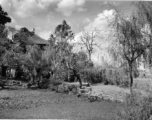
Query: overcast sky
x=45 y=15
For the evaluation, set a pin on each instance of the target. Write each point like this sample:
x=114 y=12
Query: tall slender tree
x=63 y=32
x=144 y=10
x=61 y=53
x=131 y=41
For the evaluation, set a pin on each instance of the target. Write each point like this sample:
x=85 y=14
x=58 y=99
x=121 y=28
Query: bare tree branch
x=88 y=40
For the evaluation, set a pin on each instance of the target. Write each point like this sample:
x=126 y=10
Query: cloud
x=6 y=5
x=80 y=9
x=66 y=7
x=26 y=8
x=114 y=3
x=18 y=26
x=38 y=28
x=12 y=20
x=100 y=22
x=45 y=34
x=49 y=17
x=46 y=3
x=86 y=20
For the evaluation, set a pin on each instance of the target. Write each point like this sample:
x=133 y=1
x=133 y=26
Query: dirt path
x=26 y=104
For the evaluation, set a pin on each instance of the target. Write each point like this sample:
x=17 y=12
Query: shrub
x=92 y=75
x=115 y=76
x=136 y=107
x=107 y=76
x=54 y=84
x=44 y=83
x=124 y=82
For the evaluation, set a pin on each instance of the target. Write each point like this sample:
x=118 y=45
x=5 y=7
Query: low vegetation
x=107 y=76
x=136 y=107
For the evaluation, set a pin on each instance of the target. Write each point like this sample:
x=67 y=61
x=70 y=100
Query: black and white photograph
x=76 y=59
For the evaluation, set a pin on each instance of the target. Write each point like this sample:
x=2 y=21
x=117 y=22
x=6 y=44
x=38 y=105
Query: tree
x=63 y=34
x=59 y=55
x=21 y=40
x=144 y=9
x=59 y=43
x=53 y=58
x=37 y=65
x=16 y=54
x=76 y=63
x=4 y=17
x=22 y=36
x=5 y=42
x=5 y=47
x=88 y=40
x=131 y=41
x=63 y=31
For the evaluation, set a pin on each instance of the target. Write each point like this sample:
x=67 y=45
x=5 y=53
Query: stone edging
x=89 y=94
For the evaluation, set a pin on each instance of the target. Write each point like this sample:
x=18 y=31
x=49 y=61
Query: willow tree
x=132 y=44
x=144 y=10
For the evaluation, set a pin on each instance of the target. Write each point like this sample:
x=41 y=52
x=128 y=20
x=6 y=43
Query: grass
x=28 y=104
x=143 y=84
x=136 y=107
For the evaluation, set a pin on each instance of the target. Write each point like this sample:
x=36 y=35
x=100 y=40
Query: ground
x=28 y=104
x=116 y=93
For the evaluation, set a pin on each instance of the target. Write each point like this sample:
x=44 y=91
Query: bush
x=54 y=84
x=136 y=107
x=116 y=77
x=107 y=76
x=44 y=84
x=92 y=75
x=124 y=82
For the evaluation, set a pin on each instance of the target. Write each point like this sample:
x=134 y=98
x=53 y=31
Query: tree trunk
x=79 y=79
x=34 y=75
x=3 y=70
x=68 y=76
x=31 y=79
x=89 y=56
x=51 y=75
x=77 y=75
x=39 y=82
x=131 y=76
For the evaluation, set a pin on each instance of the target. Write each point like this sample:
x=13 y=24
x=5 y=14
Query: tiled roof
x=35 y=39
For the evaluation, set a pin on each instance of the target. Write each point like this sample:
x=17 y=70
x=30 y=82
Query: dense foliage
x=4 y=17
